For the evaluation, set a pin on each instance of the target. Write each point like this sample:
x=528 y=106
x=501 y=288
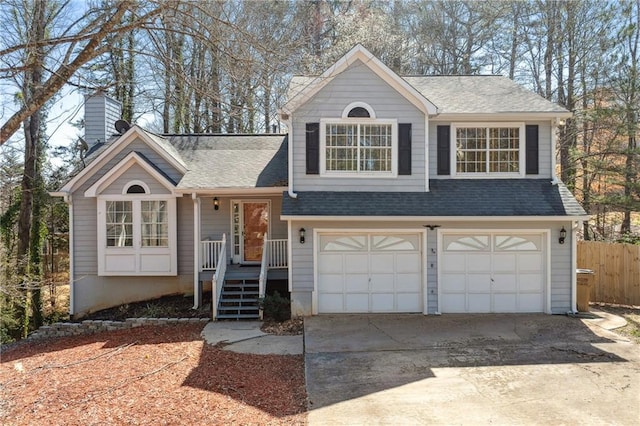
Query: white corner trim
x=117 y=146
x=120 y=168
x=131 y=183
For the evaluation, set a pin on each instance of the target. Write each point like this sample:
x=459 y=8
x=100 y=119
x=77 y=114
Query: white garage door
x=369 y=272
x=492 y=272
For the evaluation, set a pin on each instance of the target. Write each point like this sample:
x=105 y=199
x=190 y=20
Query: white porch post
x=197 y=286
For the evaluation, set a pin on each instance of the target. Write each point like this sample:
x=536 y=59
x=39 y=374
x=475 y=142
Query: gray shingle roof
x=232 y=161
x=447 y=197
x=469 y=94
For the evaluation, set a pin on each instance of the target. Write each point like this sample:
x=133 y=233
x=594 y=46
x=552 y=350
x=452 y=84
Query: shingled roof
x=232 y=161
x=467 y=94
x=447 y=198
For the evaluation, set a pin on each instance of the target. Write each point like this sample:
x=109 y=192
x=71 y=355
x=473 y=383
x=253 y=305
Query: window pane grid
x=359 y=147
x=493 y=149
x=119 y=224
x=155 y=224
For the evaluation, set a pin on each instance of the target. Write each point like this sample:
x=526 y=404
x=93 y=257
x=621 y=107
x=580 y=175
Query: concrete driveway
x=468 y=369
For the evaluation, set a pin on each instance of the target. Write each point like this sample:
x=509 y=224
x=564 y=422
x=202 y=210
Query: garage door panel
x=454 y=303
x=331 y=283
x=365 y=272
x=453 y=262
x=356 y=263
x=408 y=282
x=382 y=283
x=530 y=262
x=357 y=283
x=454 y=283
x=479 y=283
x=504 y=283
x=408 y=302
x=504 y=263
x=531 y=302
x=408 y=262
x=479 y=302
x=530 y=282
x=496 y=273
x=382 y=263
x=479 y=263
x=330 y=263
x=505 y=302
x=357 y=302
x=382 y=302
x=331 y=303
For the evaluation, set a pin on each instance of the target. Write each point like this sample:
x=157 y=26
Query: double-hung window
x=359 y=146
x=137 y=233
x=493 y=149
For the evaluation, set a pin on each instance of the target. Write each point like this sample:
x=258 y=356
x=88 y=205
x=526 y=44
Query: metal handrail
x=218 y=277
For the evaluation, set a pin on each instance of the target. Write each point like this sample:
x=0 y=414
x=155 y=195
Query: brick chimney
x=100 y=114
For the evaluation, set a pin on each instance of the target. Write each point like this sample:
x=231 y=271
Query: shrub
x=276 y=307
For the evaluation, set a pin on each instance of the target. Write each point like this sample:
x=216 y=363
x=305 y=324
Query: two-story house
x=428 y=194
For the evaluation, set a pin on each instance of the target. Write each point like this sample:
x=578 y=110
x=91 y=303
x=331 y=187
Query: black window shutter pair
x=313 y=148
x=531 y=150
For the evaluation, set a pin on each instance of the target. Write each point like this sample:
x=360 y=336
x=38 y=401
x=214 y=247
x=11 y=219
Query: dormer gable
x=104 y=154
x=358 y=54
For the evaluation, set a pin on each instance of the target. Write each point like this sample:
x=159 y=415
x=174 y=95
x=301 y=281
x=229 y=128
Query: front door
x=251 y=223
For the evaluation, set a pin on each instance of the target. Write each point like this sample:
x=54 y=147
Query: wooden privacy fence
x=616 y=268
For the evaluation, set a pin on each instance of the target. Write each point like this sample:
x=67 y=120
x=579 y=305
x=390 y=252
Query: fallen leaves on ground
x=290 y=327
x=147 y=375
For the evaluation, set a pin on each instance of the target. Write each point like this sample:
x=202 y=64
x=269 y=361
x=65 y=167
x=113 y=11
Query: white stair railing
x=277 y=254
x=218 y=278
x=264 y=267
x=209 y=254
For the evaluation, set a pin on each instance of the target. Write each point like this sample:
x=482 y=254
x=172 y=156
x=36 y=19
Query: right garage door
x=492 y=272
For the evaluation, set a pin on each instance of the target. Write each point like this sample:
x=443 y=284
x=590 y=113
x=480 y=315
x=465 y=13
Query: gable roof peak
x=359 y=52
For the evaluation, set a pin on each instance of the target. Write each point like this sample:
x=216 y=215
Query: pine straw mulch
x=147 y=375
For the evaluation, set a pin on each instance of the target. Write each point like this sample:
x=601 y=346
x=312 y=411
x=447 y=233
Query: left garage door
x=369 y=272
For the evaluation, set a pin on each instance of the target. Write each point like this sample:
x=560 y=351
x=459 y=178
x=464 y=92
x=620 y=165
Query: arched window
x=359 y=112
x=136 y=189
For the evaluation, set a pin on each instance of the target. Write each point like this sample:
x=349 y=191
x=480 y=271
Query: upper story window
x=358 y=143
x=494 y=149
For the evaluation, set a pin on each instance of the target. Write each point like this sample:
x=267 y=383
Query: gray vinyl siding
x=544 y=147
x=214 y=223
x=561 y=269
x=358 y=84
x=85 y=209
x=185 y=235
x=135 y=172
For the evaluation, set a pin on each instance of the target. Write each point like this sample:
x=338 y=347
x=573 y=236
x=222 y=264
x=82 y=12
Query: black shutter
x=444 y=151
x=531 y=150
x=313 y=148
x=404 y=148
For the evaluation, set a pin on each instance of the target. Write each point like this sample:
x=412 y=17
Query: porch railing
x=264 y=267
x=210 y=254
x=218 y=278
x=277 y=250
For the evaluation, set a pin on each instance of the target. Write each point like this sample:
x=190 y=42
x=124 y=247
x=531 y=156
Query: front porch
x=236 y=288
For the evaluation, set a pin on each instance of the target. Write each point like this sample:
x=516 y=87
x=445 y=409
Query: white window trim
x=485 y=125
x=144 y=186
x=352 y=105
x=138 y=251
x=368 y=175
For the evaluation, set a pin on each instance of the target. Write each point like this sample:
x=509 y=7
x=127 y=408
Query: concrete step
x=238 y=316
